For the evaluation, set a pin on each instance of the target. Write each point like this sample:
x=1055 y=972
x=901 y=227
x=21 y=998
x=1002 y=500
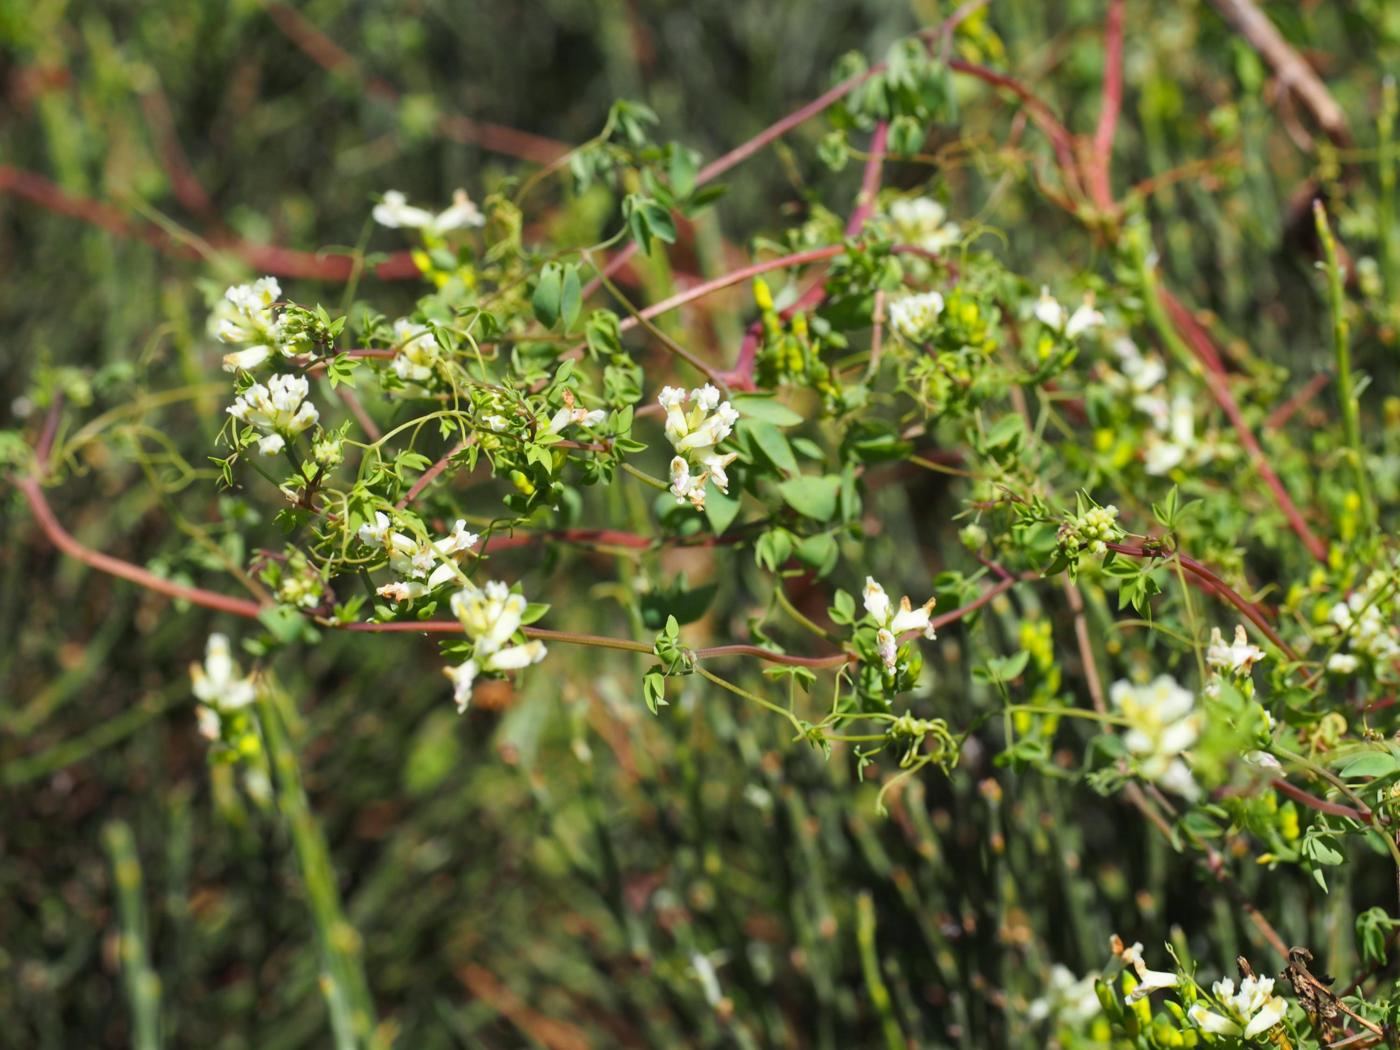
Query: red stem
x=870 y=181
x=1099 y=171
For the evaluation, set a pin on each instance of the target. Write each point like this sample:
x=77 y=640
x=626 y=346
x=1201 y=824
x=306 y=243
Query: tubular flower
x=914 y=316
x=1071 y=1001
x=1249 y=1013
x=1149 y=981
x=905 y=618
x=279 y=409
x=1163 y=723
x=694 y=432
x=245 y=315
x=394 y=211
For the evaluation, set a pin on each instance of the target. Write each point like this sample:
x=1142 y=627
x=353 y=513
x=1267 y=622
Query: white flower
x=489 y=614
x=1149 y=981
x=1162 y=723
x=375 y=533
x=246 y=360
x=245 y=315
x=695 y=434
x=395 y=212
x=421 y=566
x=219 y=682
x=1049 y=312
x=1252 y=1011
x=1342 y=663
x=905 y=618
x=913 y=316
x=1238 y=658
x=888 y=648
x=497 y=423
x=568 y=415
x=516 y=657
x=1071 y=1001
x=1083 y=319
x=279 y=408
x=418 y=351
x=1164 y=454
x=463 y=675
x=686 y=487
x=920 y=221
x=1262 y=760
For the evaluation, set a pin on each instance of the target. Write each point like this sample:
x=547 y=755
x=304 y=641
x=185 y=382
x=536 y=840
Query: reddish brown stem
x=870 y=181
x=265 y=258
x=64 y=541
x=1336 y=809
x=1100 y=169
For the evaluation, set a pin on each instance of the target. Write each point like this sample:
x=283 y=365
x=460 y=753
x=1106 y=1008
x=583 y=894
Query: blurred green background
x=563 y=870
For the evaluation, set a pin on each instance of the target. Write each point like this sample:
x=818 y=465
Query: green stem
x=1341 y=338
x=643 y=476
x=875 y=986
x=343 y=978
x=138 y=978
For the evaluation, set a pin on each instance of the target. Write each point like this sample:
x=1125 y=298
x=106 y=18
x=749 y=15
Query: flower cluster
x=421 y=565
x=395 y=212
x=1366 y=621
x=220 y=687
x=1162 y=724
x=914 y=316
x=922 y=222
x=1091 y=530
x=694 y=434
x=279 y=408
x=1249 y=1013
x=891 y=622
x=490 y=616
x=1068 y=1000
x=245 y=316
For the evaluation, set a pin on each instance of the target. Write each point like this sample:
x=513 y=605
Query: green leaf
x=1371 y=764
x=720 y=508
x=766 y=409
x=571 y=301
x=769 y=441
x=813 y=496
x=548 y=293
x=819 y=552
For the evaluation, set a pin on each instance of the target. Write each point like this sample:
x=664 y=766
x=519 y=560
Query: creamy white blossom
x=246 y=315
x=1149 y=981
x=1162 y=724
x=394 y=211
x=490 y=615
x=922 y=222
x=1069 y=1000
x=914 y=316
x=570 y=415
x=1049 y=312
x=1249 y=1013
x=1343 y=663
x=1236 y=658
x=906 y=617
x=421 y=565
x=417 y=351
x=220 y=686
x=888 y=648
x=279 y=408
x=696 y=422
